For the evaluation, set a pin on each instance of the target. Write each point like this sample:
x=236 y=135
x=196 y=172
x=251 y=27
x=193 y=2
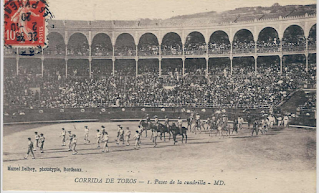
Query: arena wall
x=106 y=114
x=134 y=113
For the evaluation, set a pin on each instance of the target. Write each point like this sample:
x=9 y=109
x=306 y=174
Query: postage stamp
x=162 y=96
x=25 y=23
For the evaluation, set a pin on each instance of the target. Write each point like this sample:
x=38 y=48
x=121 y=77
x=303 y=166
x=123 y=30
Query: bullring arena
x=94 y=73
x=282 y=157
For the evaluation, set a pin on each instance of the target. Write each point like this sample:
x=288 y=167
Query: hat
x=155 y=116
x=179 y=117
x=102 y=126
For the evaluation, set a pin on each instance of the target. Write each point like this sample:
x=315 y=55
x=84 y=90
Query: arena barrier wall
x=106 y=114
x=127 y=113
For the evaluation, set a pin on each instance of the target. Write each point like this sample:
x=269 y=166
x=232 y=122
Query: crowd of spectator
x=175 y=49
x=58 y=49
x=243 y=47
x=219 y=48
x=100 y=49
x=125 y=51
x=268 y=46
x=242 y=89
x=310 y=104
x=198 y=48
x=9 y=50
x=148 y=50
x=289 y=44
x=80 y=49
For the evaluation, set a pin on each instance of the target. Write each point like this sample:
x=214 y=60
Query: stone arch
x=172 y=44
x=287 y=25
x=118 y=34
x=243 y=42
x=56 y=44
x=195 y=44
x=219 y=43
x=125 y=45
x=69 y=34
x=102 y=45
x=312 y=37
x=78 y=45
x=268 y=40
x=294 y=38
x=148 y=45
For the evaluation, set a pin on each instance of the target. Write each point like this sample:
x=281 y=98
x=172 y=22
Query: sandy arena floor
x=284 y=160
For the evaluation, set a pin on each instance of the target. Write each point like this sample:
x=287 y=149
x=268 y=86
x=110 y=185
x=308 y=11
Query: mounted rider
x=240 y=122
x=213 y=122
x=180 y=125
x=208 y=122
x=190 y=120
x=148 y=121
x=197 y=118
x=156 y=121
x=166 y=121
x=225 y=119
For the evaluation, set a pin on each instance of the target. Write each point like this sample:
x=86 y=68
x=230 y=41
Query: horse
x=163 y=129
x=211 y=127
x=222 y=125
x=146 y=126
x=176 y=131
x=198 y=125
x=236 y=126
x=189 y=123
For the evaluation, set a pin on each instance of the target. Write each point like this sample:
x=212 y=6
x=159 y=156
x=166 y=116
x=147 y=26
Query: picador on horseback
x=180 y=124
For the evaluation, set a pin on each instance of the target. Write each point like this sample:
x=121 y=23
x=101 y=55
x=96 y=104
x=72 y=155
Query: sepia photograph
x=193 y=96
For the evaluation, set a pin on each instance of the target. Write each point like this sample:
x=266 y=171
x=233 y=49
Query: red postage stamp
x=25 y=23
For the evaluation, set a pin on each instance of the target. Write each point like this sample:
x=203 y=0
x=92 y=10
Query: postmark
x=25 y=24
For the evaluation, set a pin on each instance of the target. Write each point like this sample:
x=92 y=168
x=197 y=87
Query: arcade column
x=160 y=66
x=231 y=58
x=183 y=58
x=207 y=59
x=307 y=54
x=90 y=67
x=160 y=59
x=231 y=65
x=136 y=66
x=280 y=58
x=256 y=59
x=90 y=59
x=113 y=66
x=66 y=68
x=136 y=52
x=66 y=60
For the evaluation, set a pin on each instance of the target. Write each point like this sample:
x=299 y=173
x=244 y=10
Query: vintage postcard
x=159 y=96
